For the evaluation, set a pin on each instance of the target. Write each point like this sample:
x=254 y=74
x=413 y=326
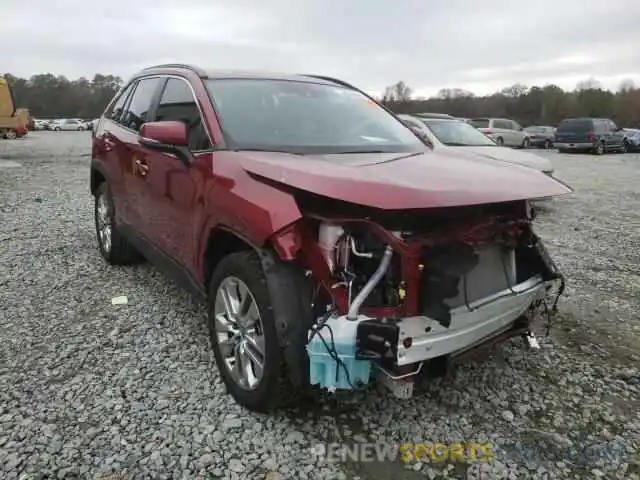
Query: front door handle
x=142 y=167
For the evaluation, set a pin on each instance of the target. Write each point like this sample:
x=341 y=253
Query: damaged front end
x=398 y=293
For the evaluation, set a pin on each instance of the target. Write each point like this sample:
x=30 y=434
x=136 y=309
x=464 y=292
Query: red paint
x=249 y=193
x=174 y=133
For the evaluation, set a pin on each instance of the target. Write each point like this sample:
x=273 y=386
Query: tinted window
x=480 y=122
x=118 y=106
x=305 y=117
x=612 y=125
x=572 y=125
x=506 y=124
x=515 y=125
x=138 y=109
x=177 y=103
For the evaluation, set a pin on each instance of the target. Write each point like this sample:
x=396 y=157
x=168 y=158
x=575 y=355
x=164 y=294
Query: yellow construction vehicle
x=13 y=121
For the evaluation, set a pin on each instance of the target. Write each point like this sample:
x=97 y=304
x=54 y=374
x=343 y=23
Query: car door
x=603 y=129
x=500 y=129
x=111 y=149
x=132 y=157
x=617 y=135
x=517 y=133
x=172 y=188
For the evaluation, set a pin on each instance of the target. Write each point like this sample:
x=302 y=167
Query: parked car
x=596 y=135
x=464 y=137
x=69 y=124
x=434 y=115
x=540 y=136
x=632 y=139
x=503 y=131
x=284 y=201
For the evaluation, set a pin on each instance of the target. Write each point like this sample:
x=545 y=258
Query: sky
x=481 y=46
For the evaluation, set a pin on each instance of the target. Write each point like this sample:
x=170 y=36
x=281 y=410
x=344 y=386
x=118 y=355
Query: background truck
x=13 y=122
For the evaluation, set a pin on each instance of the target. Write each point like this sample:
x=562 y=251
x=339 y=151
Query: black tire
x=599 y=149
x=500 y=141
x=526 y=143
x=625 y=147
x=57 y=129
x=547 y=144
x=120 y=252
x=274 y=389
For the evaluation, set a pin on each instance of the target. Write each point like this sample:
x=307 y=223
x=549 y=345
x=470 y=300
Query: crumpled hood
x=505 y=154
x=403 y=181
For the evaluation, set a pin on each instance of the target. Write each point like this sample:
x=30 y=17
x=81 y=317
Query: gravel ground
x=88 y=389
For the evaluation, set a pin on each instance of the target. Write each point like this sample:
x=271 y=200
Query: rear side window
x=177 y=103
x=480 y=122
x=117 y=109
x=138 y=110
x=575 y=126
x=506 y=124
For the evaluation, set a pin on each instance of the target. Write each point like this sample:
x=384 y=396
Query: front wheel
x=243 y=335
x=11 y=135
x=547 y=144
x=57 y=129
x=525 y=143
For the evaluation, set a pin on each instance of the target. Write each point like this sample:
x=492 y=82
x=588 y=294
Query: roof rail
x=331 y=79
x=198 y=71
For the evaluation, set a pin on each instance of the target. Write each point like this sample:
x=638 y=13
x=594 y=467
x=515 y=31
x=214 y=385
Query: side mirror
x=167 y=137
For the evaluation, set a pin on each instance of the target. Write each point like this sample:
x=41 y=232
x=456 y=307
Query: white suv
x=502 y=130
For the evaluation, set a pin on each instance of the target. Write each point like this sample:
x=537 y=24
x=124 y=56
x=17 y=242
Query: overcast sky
x=481 y=45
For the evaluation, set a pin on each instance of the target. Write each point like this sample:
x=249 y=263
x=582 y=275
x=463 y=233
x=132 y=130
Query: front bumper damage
x=356 y=342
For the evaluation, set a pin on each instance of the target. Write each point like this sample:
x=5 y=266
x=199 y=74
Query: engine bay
x=395 y=296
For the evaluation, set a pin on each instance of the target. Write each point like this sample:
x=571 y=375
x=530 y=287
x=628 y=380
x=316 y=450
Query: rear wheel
x=500 y=141
x=244 y=337
x=114 y=248
x=11 y=135
x=599 y=149
x=57 y=129
x=547 y=144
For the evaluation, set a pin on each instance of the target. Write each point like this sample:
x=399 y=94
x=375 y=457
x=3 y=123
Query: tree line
x=50 y=96
x=547 y=105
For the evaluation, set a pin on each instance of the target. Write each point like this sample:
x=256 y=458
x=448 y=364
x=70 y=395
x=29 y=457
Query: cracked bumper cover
x=417 y=339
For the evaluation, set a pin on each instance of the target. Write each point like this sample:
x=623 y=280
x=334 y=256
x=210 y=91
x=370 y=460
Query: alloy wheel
x=239 y=332
x=103 y=220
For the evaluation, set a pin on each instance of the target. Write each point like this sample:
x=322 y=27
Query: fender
x=97 y=166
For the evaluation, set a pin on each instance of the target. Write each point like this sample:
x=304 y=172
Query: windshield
x=305 y=118
x=458 y=134
x=480 y=122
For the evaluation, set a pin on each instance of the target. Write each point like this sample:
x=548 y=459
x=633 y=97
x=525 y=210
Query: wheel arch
x=289 y=291
x=97 y=176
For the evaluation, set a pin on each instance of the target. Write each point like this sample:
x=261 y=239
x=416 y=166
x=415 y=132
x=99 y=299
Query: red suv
x=332 y=246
